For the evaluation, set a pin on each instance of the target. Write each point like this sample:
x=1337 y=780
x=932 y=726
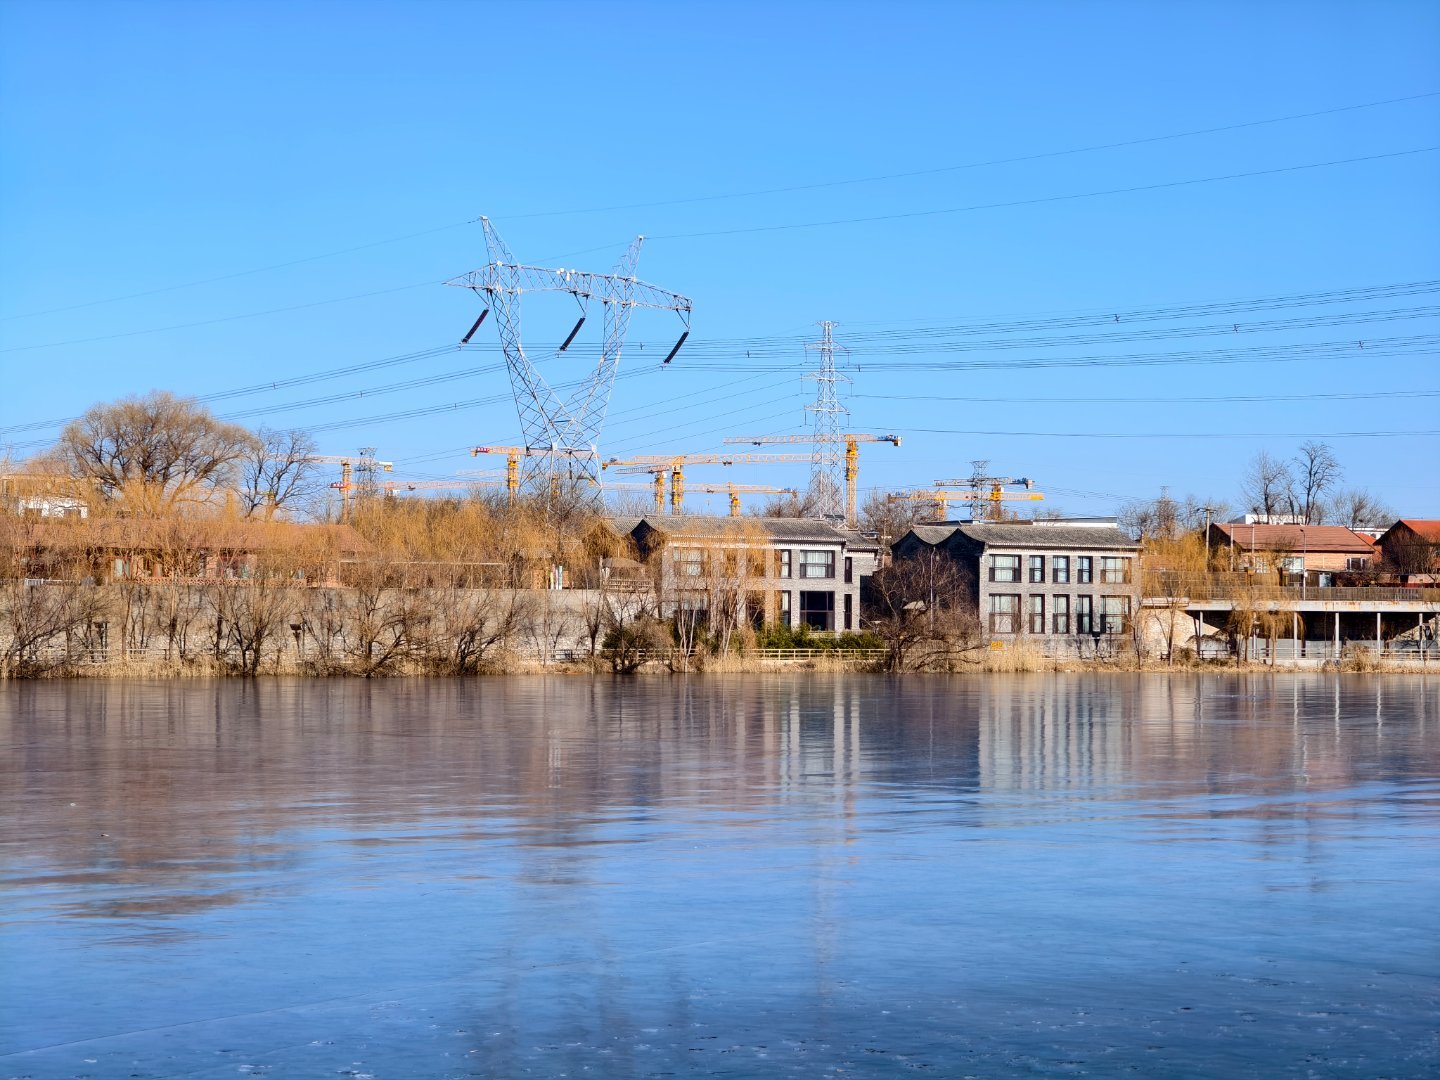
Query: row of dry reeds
x=446 y=586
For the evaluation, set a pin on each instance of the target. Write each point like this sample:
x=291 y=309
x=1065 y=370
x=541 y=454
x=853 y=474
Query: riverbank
x=758 y=662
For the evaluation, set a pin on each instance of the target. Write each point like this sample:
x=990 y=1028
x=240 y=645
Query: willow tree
x=154 y=454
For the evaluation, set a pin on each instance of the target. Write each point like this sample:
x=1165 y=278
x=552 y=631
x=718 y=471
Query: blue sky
x=212 y=197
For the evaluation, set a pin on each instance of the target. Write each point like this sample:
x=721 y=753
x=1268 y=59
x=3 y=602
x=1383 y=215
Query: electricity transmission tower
x=985 y=493
x=826 y=470
x=569 y=427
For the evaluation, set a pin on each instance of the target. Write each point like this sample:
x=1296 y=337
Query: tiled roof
x=1022 y=535
x=1430 y=530
x=623 y=526
x=934 y=535
x=1335 y=539
x=785 y=529
x=857 y=541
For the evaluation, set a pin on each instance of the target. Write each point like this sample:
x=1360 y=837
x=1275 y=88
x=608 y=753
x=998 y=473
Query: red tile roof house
x=1411 y=548
x=1289 y=552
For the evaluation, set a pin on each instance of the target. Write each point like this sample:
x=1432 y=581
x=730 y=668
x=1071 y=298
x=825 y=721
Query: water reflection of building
x=1052 y=733
x=188 y=784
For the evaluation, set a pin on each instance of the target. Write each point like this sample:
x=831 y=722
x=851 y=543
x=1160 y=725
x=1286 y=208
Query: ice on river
x=1055 y=875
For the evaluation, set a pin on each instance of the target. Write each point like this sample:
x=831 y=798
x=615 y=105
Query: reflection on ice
x=1190 y=875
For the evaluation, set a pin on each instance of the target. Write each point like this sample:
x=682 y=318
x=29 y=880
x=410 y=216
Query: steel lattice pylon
x=569 y=428
x=827 y=471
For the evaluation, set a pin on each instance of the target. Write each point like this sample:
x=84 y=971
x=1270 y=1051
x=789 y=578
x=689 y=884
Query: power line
x=1045 y=155
x=749 y=229
x=1176 y=434
x=1039 y=156
x=220 y=319
x=242 y=273
x=276 y=384
x=1170 y=400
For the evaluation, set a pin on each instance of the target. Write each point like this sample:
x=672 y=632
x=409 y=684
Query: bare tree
x=790 y=506
x=1356 y=508
x=276 y=472
x=923 y=610
x=1316 y=473
x=1152 y=519
x=154 y=452
x=1268 y=485
x=889 y=519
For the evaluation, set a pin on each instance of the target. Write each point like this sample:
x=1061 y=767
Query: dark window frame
x=827 y=564
x=1010 y=568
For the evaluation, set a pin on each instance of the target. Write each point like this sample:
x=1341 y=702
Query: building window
x=1005 y=611
x=1084 y=569
x=817 y=610
x=817 y=564
x=849 y=609
x=755 y=562
x=849 y=570
x=1084 y=614
x=1114 y=614
x=1060 y=614
x=1060 y=569
x=689 y=562
x=782 y=607
x=1037 y=569
x=782 y=563
x=755 y=610
x=1004 y=567
x=1357 y=564
x=1037 y=614
x=1114 y=570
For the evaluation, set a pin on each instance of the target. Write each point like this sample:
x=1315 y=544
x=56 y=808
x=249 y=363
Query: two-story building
x=1068 y=585
x=787 y=571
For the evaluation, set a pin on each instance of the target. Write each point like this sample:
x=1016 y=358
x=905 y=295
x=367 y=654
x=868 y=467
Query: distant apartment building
x=1071 y=586
x=785 y=571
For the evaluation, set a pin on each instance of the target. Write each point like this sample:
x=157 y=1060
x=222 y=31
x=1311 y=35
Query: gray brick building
x=1072 y=586
x=791 y=571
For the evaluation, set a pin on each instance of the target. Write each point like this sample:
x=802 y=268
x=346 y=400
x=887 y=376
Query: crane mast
x=851 y=442
x=674 y=464
x=987 y=492
x=348 y=463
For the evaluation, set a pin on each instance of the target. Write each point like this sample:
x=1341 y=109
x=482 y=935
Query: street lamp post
x=1304 y=555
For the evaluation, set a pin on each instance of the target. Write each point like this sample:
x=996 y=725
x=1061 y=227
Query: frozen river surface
x=1064 y=875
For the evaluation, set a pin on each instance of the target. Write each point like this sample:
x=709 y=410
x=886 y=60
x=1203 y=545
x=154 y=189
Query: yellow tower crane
x=513 y=454
x=395 y=487
x=986 y=493
x=348 y=463
x=659 y=464
x=852 y=441
x=657 y=487
x=735 y=490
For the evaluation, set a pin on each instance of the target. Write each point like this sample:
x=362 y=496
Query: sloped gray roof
x=623 y=526
x=934 y=535
x=786 y=529
x=858 y=541
x=1013 y=534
